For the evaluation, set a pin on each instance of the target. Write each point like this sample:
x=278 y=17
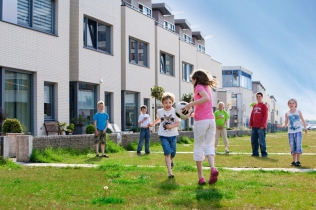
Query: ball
x=180 y=113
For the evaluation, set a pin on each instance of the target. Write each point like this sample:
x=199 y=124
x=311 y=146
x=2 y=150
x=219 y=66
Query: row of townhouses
x=59 y=57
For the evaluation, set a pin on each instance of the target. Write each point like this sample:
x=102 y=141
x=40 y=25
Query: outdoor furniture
x=52 y=127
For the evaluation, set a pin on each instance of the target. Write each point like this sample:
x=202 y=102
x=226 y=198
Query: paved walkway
x=64 y=165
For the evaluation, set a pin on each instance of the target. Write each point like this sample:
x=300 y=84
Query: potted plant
x=156 y=92
x=187 y=97
x=70 y=129
x=62 y=127
x=3 y=116
x=12 y=128
x=80 y=122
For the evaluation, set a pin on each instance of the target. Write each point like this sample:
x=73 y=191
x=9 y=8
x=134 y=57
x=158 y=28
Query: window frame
x=173 y=28
x=184 y=72
x=187 y=40
x=136 y=53
x=142 y=10
x=52 y=117
x=203 y=48
x=108 y=35
x=31 y=18
x=164 y=64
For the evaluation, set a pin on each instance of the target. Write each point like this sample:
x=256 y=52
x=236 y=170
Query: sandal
x=106 y=156
x=171 y=176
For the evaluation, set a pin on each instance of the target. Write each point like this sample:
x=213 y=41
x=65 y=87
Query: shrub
x=71 y=127
x=132 y=146
x=185 y=140
x=90 y=129
x=111 y=147
x=187 y=97
x=11 y=126
x=135 y=130
x=108 y=130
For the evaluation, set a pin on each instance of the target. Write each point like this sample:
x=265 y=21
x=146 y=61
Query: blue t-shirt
x=101 y=119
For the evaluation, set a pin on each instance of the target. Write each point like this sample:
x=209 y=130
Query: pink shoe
x=213 y=176
x=201 y=181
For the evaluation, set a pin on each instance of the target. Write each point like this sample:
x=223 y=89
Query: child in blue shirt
x=101 y=121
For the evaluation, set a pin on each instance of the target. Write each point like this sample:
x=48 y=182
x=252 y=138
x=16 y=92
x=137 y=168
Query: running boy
x=294 y=120
x=221 y=117
x=204 y=123
x=101 y=121
x=168 y=129
x=143 y=121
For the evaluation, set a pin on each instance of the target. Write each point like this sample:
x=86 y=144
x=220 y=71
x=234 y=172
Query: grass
x=140 y=182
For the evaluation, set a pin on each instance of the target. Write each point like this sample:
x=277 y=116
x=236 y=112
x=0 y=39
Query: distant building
x=239 y=91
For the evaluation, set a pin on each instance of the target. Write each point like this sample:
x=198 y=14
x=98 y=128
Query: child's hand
x=150 y=125
x=96 y=133
x=103 y=132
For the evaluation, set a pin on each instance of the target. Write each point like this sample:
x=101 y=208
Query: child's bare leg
x=294 y=158
x=211 y=160
x=199 y=169
x=298 y=157
x=168 y=163
x=97 y=148
x=102 y=149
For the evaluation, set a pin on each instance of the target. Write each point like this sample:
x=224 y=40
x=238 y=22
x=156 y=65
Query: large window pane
x=235 y=78
x=86 y=101
x=48 y=101
x=131 y=110
x=17 y=98
x=101 y=37
x=10 y=10
x=91 y=33
x=138 y=52
x=42 y=15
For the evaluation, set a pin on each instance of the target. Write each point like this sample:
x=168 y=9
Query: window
x=169 y=26
x=201 y=48
x=87 y=101
x=187 y=38
x=108 y=105
x=138 y=52
x=230 y=78
x=48 y=101
x=166 y=64
x=36 y=14
x=186 y=71
x=18 y=97
x=234 y=100
x=96 y=35
x=145 y=10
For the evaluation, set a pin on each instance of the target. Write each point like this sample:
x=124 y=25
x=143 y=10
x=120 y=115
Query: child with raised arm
x=101 y=122
x=204 y=123
x=143 y=121
x=168 y=129
x=294 y=120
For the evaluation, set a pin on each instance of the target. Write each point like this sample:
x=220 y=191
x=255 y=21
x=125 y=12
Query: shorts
x=100 y=138
x=169 y=145
x=295 y=141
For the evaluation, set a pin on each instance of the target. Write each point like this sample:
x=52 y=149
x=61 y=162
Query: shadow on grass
x=94 y=159
x=208 y=197
x=167 y=186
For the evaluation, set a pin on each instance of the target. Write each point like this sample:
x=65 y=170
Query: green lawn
x=147 y=187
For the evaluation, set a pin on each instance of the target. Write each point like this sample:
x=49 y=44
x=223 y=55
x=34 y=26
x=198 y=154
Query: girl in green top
x=221 y=117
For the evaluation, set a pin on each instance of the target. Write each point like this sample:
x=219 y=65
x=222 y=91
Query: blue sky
x=274 y=39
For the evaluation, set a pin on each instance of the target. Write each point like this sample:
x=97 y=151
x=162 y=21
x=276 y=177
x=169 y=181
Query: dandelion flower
x=106 y=187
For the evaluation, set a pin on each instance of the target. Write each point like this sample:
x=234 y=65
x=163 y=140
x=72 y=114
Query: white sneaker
x=226 y=150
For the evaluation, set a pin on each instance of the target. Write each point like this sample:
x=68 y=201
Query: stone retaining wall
x=82 y=142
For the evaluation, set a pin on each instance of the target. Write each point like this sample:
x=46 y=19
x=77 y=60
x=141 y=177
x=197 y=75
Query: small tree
x=156 y=92
x=187 y=97
x=11 y=126
x=252 y=104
